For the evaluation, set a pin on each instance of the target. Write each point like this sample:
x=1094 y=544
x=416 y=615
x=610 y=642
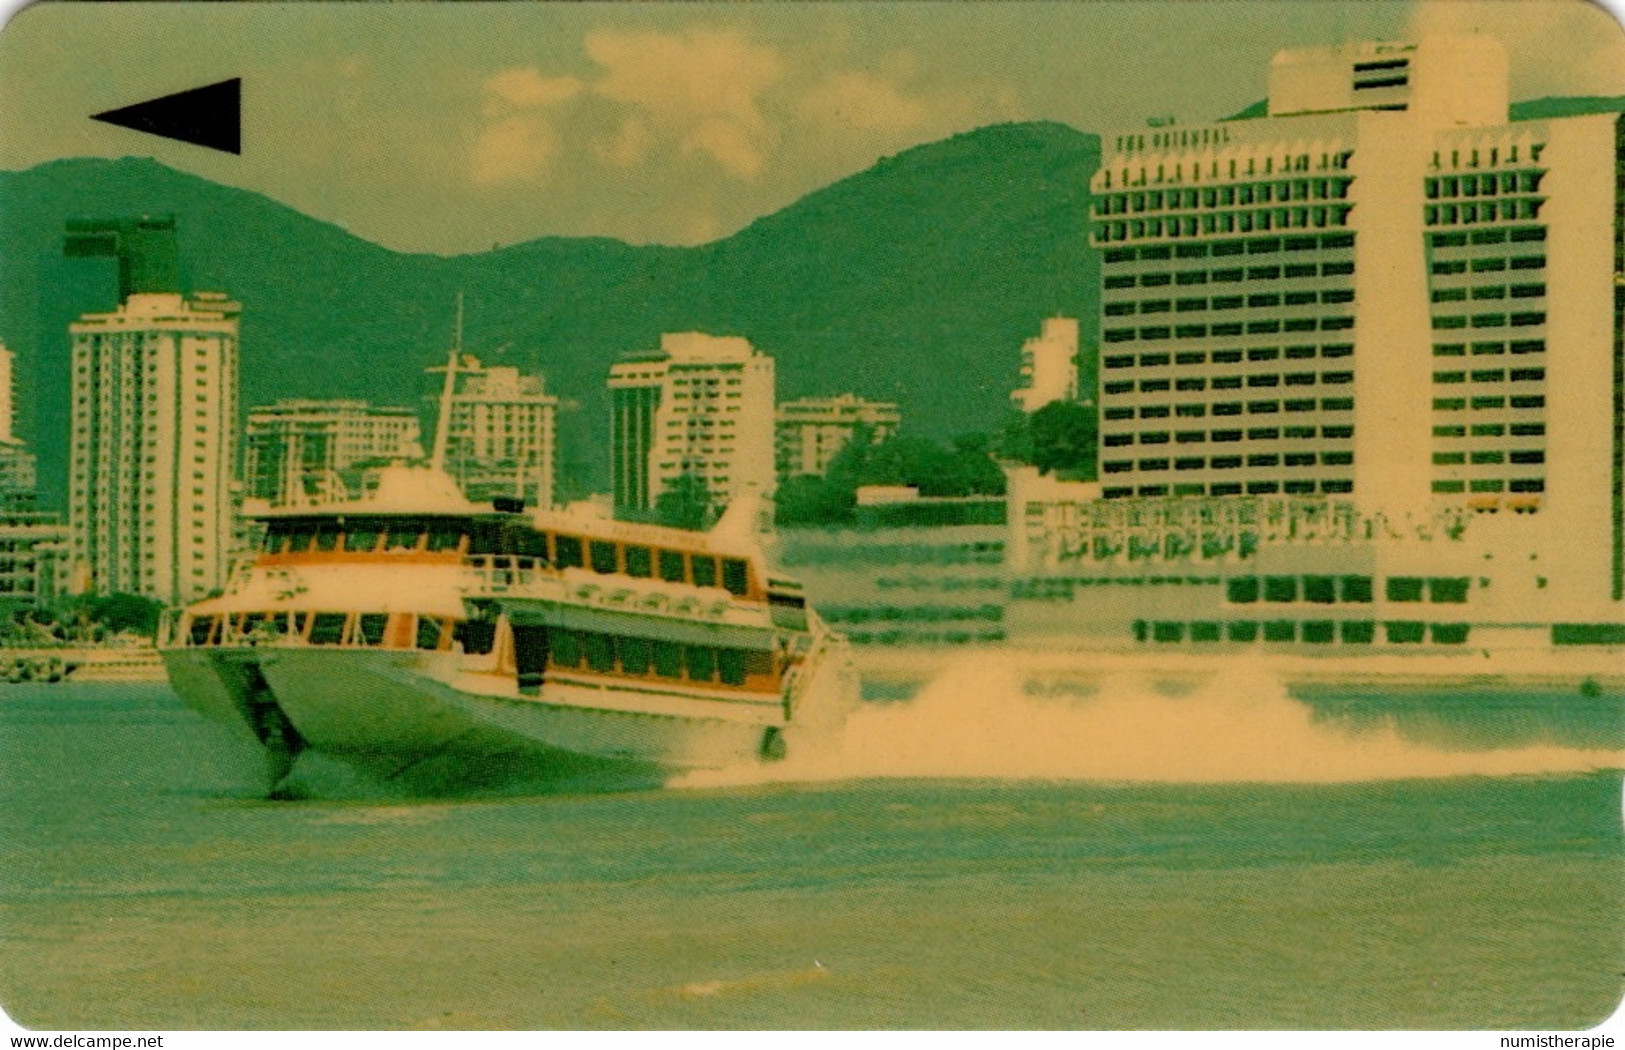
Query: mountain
x=915 y=281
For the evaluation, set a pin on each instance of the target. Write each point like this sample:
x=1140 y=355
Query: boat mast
x=442 y=429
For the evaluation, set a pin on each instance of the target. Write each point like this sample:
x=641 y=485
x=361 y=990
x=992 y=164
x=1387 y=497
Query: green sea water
x=143 y=885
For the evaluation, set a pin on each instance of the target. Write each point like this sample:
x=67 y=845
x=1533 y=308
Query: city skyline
x=749 y=114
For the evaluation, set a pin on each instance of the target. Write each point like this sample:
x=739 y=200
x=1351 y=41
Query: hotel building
x=502 y=435
x=297 y=451
x=1361 y=371
x=1049 y=366
x=700 y=405
x=153 y=445
x=810 y=431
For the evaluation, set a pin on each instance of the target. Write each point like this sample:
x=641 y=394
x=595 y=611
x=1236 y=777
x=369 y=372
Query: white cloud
x=628 y=146
x=515 y=149
x=517 y=141
x=527 y=89
x=862 y=101
x=700 y=89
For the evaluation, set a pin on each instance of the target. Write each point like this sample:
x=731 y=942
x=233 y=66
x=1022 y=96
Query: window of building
x=1404 y=588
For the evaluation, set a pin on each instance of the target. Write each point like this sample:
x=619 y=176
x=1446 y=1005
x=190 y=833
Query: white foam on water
x=978 y=719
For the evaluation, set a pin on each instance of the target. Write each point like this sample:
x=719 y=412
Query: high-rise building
x=701 y=405
x=810 y=431
x=502 y=436
x=301 y=450
x=1049 y=366
x=153 y=445
x=17 y=465
x=1384 y=293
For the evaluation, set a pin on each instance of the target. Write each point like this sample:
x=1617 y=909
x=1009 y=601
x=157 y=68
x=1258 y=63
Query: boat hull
x=423 y=719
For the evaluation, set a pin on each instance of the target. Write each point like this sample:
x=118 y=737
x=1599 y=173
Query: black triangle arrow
x=210 y=116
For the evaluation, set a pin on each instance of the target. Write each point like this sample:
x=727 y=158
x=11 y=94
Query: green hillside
x=916 y=281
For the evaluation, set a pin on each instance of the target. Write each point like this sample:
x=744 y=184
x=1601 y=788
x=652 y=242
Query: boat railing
x=798 y=679
x=504 y=573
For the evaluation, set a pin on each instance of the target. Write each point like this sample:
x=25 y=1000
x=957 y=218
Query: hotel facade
x=1371 y=339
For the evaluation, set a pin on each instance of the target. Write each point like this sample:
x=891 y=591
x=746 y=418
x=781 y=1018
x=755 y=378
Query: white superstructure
x=153 y=445
x=701 y=405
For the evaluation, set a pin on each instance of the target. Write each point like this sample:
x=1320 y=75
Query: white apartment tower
x=17 y=466
x=701 y=405
x=8 y=431
x=812 y=430
x=502 y=434
x=154 y=423
x=1384 y=292
x=1049 y=366
x=306 y=450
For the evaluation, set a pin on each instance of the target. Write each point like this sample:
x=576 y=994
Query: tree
x=685 y=504
x=808 y=499
x=1064 y=434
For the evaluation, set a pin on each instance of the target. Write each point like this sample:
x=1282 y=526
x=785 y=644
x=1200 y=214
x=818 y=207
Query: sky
x=452 y=128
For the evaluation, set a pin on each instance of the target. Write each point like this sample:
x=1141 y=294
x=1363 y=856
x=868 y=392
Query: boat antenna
x=442 y=429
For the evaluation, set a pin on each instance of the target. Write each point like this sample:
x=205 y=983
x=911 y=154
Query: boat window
x=603 y=557
x=731 y=662
x=705 y=571
x=402 y=536
x=360 y=540
x=532 y=544
x=445 y=537
x=568 y=552
x=701 y=661
x=276 y=537
x=476 y=636
x=327 y=536
x=671 y=566
x=372 y=628
x=638 y=562
x=668 y=659
x=428 y=636
x=634 y=653
x=327 y=629
x=200 y=629
x=565 y=647
x=600 y=651
x=482 y=538
x=734 y=575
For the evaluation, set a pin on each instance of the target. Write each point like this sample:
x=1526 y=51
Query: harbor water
x=985 y=850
